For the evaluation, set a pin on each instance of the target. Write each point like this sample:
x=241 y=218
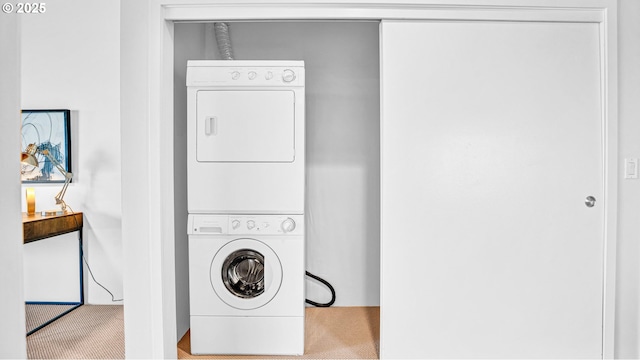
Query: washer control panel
x=266 y=224
x=204 y=224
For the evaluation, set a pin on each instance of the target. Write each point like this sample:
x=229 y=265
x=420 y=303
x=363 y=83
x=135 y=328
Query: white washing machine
x=245 y=137
x=246 y=280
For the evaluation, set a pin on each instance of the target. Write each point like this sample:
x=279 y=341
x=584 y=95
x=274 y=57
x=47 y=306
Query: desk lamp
x=29 y=158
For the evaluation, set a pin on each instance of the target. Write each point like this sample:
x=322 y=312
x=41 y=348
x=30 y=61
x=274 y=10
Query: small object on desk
x=52 y=213
x=31 y=201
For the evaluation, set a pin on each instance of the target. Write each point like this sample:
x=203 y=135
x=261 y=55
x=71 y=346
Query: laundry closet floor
x=330 y=333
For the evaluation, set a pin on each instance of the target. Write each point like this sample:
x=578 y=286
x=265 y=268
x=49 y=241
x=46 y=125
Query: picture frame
x=48 y=129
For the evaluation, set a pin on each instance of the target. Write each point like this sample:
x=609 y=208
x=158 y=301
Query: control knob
x=288 y=225
x=288 y=75
x=235 y=75
x=235 y=224
x=251 y=224
x=252 y=75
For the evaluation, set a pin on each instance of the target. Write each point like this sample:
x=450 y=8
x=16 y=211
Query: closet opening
x=342 y=136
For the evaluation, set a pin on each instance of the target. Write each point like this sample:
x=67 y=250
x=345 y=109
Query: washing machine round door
x=246 y=274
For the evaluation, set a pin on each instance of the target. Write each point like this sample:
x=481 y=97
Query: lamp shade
x=29 y=160
x=28 y=156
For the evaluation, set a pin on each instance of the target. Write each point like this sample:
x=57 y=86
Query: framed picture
x=48 y=130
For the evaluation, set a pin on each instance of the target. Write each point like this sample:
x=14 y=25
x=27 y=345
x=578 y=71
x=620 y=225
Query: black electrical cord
x=325 y=282
x=113 y=298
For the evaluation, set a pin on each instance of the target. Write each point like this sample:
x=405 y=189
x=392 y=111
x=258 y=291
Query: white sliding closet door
x=491 y=141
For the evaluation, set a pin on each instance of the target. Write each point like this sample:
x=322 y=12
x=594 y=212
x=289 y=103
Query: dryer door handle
x=211 y=125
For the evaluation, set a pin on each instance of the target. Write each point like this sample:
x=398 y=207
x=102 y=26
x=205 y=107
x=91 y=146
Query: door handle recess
x=211 y=125
x=590 y=201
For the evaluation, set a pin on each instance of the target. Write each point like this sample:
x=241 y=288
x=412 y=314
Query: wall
x=70 y=59
x=627 y=335
x=12 y=340
x=342 y=141
x=51 y=269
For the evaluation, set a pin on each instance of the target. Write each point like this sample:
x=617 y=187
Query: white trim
x=383 y=177
x=377 y=12
x=156 y=233
x=159 y=120
x=166 y=203
x=609 y=33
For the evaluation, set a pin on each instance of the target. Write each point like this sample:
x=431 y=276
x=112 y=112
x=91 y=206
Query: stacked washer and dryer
x=246 y=165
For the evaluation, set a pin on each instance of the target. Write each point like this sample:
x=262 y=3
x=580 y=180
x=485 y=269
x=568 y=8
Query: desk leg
x=77 y=305
x=80 y=250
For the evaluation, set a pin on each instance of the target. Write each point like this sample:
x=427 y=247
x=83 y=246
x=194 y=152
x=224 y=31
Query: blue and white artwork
x=48 y=130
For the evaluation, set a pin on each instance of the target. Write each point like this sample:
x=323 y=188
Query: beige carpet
x=331 y=333
x=97 y=332
x=88 y=332
x=36 y=315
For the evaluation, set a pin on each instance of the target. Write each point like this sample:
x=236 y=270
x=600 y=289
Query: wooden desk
x=37 y=227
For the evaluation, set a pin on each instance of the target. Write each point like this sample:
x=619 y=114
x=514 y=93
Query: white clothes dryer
x=245 y=135
x=246 y=284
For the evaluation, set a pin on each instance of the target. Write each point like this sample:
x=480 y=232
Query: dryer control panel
x=246 y=224
x=245 y=73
